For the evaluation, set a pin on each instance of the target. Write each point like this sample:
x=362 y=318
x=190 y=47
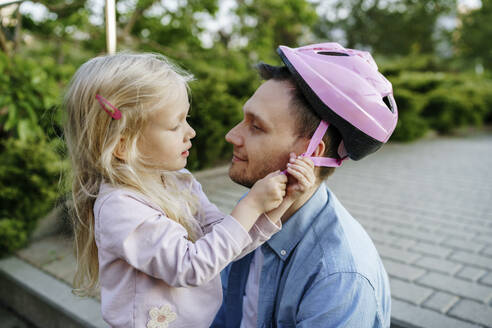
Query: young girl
x=145 y=232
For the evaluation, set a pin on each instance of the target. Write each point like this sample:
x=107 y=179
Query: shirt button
x=283 y=252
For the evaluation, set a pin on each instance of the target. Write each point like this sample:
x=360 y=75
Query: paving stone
x=471 y=273
x=416 y=234
x=431 y=249
x=62 y=268
x=402 y=271
x=439 y=265
x=487 y=251
x=397 y=254
x=487 y=279
x=457 y=231
x=476 y=229
x=467 y=245
x=473 y=311
x=47 y=250
x=409 y=292
x=393 y=218
x=408 y=315
x=441 y=301
x=379 y=236
x=456 y=286
x=473 y=259
x=402 y=242
x=484 y=239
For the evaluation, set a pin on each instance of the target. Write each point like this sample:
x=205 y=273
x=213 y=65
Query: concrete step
x=43 y=300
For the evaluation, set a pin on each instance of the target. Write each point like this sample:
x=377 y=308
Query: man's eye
x=255 y=127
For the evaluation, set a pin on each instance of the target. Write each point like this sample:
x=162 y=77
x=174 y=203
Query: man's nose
x=234 y=137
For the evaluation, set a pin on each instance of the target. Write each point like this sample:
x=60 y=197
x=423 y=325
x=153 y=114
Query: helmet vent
x=332 y=53
x=388 y=103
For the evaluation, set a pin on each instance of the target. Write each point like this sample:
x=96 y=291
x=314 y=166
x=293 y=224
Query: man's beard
x=240 y=175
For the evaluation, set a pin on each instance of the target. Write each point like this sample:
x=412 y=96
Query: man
x=321 y=269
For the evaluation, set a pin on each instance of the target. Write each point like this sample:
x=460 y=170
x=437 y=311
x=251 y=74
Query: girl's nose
x=191 y=132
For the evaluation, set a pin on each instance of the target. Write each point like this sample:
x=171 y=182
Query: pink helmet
x=345 y=88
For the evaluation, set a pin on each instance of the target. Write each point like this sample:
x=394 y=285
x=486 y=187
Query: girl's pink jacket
x=150 y=274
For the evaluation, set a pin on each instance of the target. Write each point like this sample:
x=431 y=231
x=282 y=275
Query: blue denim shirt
x=321 y=270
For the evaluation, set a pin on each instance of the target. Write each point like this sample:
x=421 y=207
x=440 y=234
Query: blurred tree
x=266 y=24
x=474 y=35
x=59 y=26
x=387 y=27
x=171 y=29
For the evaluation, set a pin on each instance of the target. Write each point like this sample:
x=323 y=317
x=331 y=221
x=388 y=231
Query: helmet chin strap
x=313 y=144
x=323 y=161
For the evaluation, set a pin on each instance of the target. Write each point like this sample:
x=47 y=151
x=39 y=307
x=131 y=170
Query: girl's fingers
x=292 y=157
x=301 y=179
x=307 y=172
x=308 y=161
x=303 y=170
x=304 y=161
x=281 y=178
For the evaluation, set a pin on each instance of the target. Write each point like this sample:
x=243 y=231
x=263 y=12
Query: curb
x=43 y=300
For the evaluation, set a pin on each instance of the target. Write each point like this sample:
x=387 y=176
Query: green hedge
x=29 y=185
x=440 y=101
x=30 y=92
x=411 y=125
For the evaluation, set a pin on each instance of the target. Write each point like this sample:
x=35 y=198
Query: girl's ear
x=120 y=150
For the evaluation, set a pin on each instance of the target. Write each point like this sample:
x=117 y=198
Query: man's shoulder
x=337 y=243
x=337 y=255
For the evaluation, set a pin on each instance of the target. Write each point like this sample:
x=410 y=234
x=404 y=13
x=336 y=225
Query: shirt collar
x=296 y=227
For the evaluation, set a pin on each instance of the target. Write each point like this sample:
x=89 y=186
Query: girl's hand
x=301 y=179
x=268 y=193
x=302 y=171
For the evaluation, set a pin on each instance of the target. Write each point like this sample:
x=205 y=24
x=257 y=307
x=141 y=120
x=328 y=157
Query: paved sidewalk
x=427 y=206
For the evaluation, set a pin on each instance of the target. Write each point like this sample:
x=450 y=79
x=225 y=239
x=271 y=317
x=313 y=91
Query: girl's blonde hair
x=137 y=84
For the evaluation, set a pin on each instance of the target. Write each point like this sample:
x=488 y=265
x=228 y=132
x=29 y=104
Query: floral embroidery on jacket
x=161 y=317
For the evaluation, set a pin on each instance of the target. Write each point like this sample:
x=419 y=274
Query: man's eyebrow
x=258 y=119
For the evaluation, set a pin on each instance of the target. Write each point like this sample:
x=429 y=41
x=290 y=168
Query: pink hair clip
x=112 y=111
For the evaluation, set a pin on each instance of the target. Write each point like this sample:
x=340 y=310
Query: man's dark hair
x=306 y=118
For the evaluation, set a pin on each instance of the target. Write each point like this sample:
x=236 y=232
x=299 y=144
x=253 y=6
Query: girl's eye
x=175 y=129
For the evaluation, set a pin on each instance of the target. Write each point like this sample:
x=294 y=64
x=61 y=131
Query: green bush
x=441 y=101
x=420 y=82
x=411 y=125
x=479 y=92
x=224 y=81
x=13 y=235
x=29 y=185
x=29 y=95
x=412 y=63
x=447 y=109
x=214 y=112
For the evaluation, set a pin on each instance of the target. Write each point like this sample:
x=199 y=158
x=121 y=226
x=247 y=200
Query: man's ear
x=120 y=150
x=320 y=150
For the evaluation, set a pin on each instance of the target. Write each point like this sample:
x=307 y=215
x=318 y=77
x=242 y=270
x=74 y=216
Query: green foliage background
x=441 y=77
